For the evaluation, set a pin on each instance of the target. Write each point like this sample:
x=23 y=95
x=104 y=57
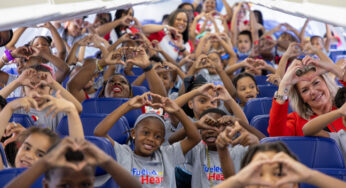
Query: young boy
x=62 y=171
x=316 y=126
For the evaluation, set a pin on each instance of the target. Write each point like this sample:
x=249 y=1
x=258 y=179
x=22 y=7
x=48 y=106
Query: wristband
x=8 y=55
x=100 y=69
x=148 y=68
x=165 y=29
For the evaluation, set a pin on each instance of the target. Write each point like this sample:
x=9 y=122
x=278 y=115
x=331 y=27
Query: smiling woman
x=311 y=94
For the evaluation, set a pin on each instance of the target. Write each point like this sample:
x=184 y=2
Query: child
x=316 y=127
x=60 y=171
x=246 y=87
x=244 y=44
x=36 y=81
x=273 y=165
x=150 y=162
x=35 y=141
x=204 y=158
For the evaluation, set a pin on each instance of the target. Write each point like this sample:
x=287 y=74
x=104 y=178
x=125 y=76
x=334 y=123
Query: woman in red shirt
x=311 y=94
x=173 y=38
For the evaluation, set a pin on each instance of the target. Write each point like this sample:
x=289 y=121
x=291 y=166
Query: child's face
x=201 y=103
x=285 y=37
x=214 y=58
x=40 y=88
x=149 y=134
x=166 y=79
x=33 y=148
x=66 y=177
x=244 y=43
x=317 y=43
x=271 y=172
x=40 y=43
x=209 y=5
x=209 y=136
x=246 y=89
x=74 y=29
x=117 y=87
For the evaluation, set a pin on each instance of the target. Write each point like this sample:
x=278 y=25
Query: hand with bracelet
x=289 y=80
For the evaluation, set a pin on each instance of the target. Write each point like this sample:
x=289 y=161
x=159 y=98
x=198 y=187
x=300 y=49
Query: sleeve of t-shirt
x=174 y=153
x=237 y=153
x=157 y=36
x=122 y=150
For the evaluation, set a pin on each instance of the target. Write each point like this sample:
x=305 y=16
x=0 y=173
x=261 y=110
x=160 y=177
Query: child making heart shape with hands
x=35 y=141
x=273 y=165
x=150 y=162
x=77 y=170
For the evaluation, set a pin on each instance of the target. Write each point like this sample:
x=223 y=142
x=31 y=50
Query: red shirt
x=283 y=124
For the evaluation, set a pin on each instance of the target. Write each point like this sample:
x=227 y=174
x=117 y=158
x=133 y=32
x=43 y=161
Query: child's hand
x=342 y=110
x=126 y=20
x=114 y=57
x=223 y=140
x=292 y=170
x=25 y=102
x=25 y=78
x=202 y=62
x=21 y=52
x=222 y=93
x=92 y=154
x=170 y=106
x=56 y=105
x=293 y=50
x=204 y=89
x=39 y=52
x=84 y=41
x=12 y=131
x=252 y=173
x=57 y=156
x=207 y=123
x=274 y=79
x=139 y=57
x=46 y=79
x=139 y=101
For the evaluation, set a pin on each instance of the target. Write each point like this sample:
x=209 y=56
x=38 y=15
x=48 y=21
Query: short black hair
x=213 y=110
x=9 y=38
x=340 y=97
x=3 y=102
x=242 y=75
x=246 y=32
x=316 y=37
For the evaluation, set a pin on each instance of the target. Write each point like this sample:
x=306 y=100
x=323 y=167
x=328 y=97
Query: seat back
x=336 y=55
x=262 y=80
x=139 y=90
x=257 y=106
x=3 y=156
x=315 y=152
x=108 y=105
x=266 y=90
x=6 y=175
x=136 y=70
x=133 y=78
x=23 y=119
x=261 y=122
x=119 y=132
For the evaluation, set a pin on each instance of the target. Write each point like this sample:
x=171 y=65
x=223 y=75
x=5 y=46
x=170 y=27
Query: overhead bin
x=21 y=13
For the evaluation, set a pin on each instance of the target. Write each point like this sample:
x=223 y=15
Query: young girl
x=316 y=126
x=246 y=87
x=59 y=171
x=37 y=81
x=273 y=165
x=35 y=141
x=152 y=164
